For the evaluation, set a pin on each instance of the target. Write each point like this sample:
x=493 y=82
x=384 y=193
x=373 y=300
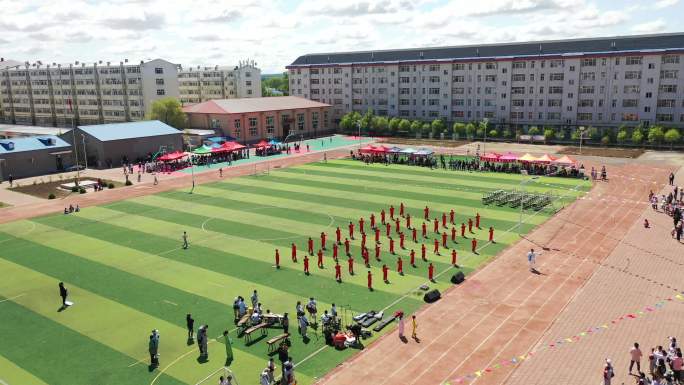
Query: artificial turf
x=127 y=272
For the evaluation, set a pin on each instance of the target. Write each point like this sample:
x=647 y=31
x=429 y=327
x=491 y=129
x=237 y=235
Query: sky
x=274 y=33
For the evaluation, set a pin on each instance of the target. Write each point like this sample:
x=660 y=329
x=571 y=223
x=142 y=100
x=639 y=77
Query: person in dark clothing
x=10 y=179
x=286 y=324
x=190 y=322
x=63 y=293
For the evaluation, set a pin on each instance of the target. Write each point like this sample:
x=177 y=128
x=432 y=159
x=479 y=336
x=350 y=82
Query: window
x=518 y=64
x=586 y=89
x=584 y=116
x=270 y=125
x=300 y=122
x=337 y=70
x=517 y=115
x=160 y=82
x=555 y=63
x=434 y=67
x=667 y=88
x=629 y=117
x=668 y=74
x=590 y=62
x=517 y=90
x=556 y=77
x=555 y=90
x=161 y=92
x=249 y=83
x=253 y=127
x=459 y=66
x=633 y=60
x=586 y=103
x=664 y=117
x=631 y=89
x=670 y=59
x=433 y=91
x=459 y=90
x=518 y=102
x=630 y=103
x=555 y=102
x=553 y=115
x=632 y=74
x=158 y=70
x=490 y=78
x=666 y=103
x=518 y=77
x=314 y=120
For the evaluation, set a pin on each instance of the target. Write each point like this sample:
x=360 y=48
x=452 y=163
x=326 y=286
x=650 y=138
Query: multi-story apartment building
x=599 y=81
x=80 y=93
x=200 y=84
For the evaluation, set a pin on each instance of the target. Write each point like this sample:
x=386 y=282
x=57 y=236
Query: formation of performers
x=395 y=228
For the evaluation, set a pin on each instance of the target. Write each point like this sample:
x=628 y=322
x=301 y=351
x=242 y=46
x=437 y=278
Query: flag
x=70 y=106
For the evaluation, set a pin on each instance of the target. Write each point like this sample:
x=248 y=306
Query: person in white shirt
x=264 y=378
x=333 y=311
x=532 y=260
x=255 y=299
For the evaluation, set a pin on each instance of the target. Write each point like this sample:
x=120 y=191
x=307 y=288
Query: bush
x=534 y=130
x=111 y=185
x=605 y=140
x=128 y=182
x=51 y=196
x=81 y=191
x=74 y=189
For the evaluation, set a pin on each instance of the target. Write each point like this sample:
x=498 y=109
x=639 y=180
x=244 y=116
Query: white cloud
x=665 y=3
x=650 y=27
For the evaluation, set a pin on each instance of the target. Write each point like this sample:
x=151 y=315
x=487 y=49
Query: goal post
x=261 y=169
x=215 y=376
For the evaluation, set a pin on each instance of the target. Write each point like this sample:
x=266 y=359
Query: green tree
x=437 y=127
x=367 y=121
x=637 y=136
x=622 y=135
x=394 y=125
x=346 y=123
x=425 y=129
x=534 y=130
x=459 y=129
x=416 y=126
x=404 y=125
x=593 y=133
x=470 y=130
x=380 y=124
x=549 y=134
x=560 y=134
x=169 y=111
x=672 y=136
x=655 y=135
x=493 y=134
x=605 y=140
x=507 y=133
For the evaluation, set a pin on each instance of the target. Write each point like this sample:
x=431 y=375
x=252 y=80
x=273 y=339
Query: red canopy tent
x=490 y=157
x=171 y=156
x=368 y=149
x=380 y=150
x=262 y=144
x=546 y=158
x=508 y=157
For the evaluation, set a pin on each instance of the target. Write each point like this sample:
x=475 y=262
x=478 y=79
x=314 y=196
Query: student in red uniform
x=391 y=212
x=435 y=226
x=397 y=225
x=391 y=246
x=400 y=266
x=323 y=236
x=491 y=234
x=320 y=258
x=294 y=252
x=463 y=230
x=426 y=213
x=401 y=209
x=346 y=246
x=306 y=264
x=444 y=239
x=444 y=223
x=311 y=246
x=436 y=248
x=477 y=220
x=363 y=239
x=338 y=233
x=414 y=235
x=401 y=240
x=351 y=230
x=388 y=229
x=424 y=230
x=412 y=255
x=338 y=272
x=451 y=216
x=385 y=270
x=453 y=234
x=431 y=272
x=277 y=259
x=382 y=216
x=470 y=225
x=372 y=221
x=366 y=257
x=454 y=256
x=377 y=235
x=361 y=227
x=423 y=252
x=335 y=251
x=370 y=280
x=473 y=245
x=377 y=252
x=408 y=221
x=350 y=263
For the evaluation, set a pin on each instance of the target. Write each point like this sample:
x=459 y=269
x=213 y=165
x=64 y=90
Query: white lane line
x=215 y=284
x=11 y=298
x=171 y=303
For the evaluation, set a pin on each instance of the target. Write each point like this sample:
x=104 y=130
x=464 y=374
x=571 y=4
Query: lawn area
x=128 y=274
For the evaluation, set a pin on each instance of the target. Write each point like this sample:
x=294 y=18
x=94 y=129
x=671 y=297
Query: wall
x=33 y=163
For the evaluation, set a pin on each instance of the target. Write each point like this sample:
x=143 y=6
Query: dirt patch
x=44 y=189
x=603 y=151
x=423 y=142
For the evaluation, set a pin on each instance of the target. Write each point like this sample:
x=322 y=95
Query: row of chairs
x=516 y=199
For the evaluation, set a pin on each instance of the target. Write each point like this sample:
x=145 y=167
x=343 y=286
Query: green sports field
x=128 y=274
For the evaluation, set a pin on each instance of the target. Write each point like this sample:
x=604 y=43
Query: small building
x=253 y=119
x=13 y=131
x=32 y=156
x=111 y=145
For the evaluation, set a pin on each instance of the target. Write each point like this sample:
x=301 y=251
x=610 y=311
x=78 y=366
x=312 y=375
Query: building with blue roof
x=111 y=145
x=31 y=156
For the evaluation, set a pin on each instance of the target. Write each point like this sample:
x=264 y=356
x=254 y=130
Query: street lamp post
x=581 y=135
x=85 y=154
x=523 y=182
x=358 y=126
x=192 y=169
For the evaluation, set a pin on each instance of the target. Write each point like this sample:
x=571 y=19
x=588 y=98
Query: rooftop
x=131 y=130
x=523 y=49
x=34 y=143
x=246 y=105
x=19 y=130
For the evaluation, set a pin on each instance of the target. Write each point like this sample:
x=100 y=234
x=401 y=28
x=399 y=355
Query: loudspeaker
x=458 y=278
x=432 y=296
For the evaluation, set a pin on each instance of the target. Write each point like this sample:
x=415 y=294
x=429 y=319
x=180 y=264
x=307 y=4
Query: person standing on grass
x=153 y=348
x=470 y=225
x=408 y=221
x=491 y=234
x=350 y=263
x=635 y=355
x=424 y=228
x=369 y=279
x=426 y=213
x=338 y=272
x=473 y=245
x=400 y=266
x=277 y=259
x=229 y=348
x=306 y=264
x=63 y=293
x=431 y=272
x=412 y=256
x=185 y=240
x=294 y=252
x=310 y=244
x=190 y=323
x=452 y=214
x=255 y=299
x=463 y=227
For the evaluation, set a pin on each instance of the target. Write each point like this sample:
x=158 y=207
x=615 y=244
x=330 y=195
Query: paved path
x=502 y=310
